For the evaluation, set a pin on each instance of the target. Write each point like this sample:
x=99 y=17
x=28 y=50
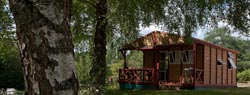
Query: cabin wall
x=234 y=71
x=225 y=71
x=206 y=65
x=148 y=59
x=213 y=66
x=219 y=67
x=215 y=72
x=175 y=70
x=199 y=56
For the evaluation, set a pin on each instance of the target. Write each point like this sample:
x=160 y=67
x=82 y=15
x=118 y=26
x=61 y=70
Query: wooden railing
x=136 y=75
x=199 y=76
x=188 y=78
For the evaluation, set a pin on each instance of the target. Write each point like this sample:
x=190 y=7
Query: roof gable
x=152 y=39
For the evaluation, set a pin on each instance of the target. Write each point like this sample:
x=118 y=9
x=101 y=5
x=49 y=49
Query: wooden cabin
x=169 y=62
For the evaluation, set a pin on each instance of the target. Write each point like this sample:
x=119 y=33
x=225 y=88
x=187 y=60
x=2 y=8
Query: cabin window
x=163 y=60
x=230 y=61
x=229 y=66
x=187 y=57
x=172 y=57
x=163 y=56
x=219 y=62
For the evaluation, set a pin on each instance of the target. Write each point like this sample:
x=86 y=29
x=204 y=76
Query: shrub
x=243 y=65
x=244 y=76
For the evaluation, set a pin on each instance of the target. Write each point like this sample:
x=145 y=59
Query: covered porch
x=159 y=76
x=164 y=65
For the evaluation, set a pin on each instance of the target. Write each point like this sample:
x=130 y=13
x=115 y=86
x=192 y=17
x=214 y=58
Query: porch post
x=156 y=61
x=124 y=58
x=194 y=64
x=181 y=70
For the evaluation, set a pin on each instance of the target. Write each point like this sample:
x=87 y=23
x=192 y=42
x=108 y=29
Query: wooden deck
x=146 y=76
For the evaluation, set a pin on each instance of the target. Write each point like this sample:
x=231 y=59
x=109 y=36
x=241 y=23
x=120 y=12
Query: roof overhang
x=152 y=39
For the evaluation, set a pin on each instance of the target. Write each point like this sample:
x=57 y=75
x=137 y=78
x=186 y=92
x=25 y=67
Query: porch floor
x=169 y=85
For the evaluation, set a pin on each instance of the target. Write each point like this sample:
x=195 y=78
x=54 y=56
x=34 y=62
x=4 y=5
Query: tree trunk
x=98 y=71
x=46 y=48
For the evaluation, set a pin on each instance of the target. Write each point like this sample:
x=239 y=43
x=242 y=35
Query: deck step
x=169 y=86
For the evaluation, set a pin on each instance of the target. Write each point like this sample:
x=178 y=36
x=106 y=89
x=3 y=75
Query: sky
x=199 y=33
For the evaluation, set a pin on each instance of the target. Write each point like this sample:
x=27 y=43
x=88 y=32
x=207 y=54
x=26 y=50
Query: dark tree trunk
x=98 y=71
x=46 y=48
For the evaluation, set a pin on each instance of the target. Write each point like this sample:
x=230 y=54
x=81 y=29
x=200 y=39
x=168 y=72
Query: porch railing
x=199 y=76
x=187 y=76
x=136 y=75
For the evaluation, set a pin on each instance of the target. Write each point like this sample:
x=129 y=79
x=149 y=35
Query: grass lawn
x=220 y=91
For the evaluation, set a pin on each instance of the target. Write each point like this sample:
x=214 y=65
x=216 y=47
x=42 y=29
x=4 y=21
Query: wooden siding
x=199 y=56
x=219 y=76
x=225 y=79
x=148 y=59
x=213 y=66
x=234 y=71
x=229 y=76
x=219 y=67
x=186 y=66
x=206 y=65
x=174 y=72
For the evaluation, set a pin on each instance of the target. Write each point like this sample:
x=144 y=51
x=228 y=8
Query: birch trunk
x=98 y=71
x=46 y=49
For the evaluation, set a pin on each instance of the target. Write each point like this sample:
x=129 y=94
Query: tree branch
x=92 y=4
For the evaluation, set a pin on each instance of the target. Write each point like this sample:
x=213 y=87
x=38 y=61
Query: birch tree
x=46 y=49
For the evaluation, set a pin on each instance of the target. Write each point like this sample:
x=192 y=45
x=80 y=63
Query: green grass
x=220 y=91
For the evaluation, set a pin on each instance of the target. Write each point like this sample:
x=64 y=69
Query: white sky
x=199 y=33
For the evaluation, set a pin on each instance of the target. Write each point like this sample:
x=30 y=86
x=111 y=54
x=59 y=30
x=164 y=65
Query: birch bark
x=46 y=49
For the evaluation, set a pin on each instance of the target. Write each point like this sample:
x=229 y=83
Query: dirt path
x=247 y=84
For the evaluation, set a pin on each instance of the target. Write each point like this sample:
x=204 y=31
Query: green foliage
x=10 y=66
x=243 y=65
x=244 y=76
x=83 y=64
x=135 y=59
x=11 y=75
x=6 y=22
x=113 y=70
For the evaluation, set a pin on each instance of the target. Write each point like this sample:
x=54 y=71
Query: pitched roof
x=152 y=39
x=163 y=38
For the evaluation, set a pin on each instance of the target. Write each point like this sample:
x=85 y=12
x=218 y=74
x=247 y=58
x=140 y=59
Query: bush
x=243 y=65
x=244 y=76
x=113 y=70
x=11 y=75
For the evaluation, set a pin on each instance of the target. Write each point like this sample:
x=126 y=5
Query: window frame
x=176 y=55
x=231 y=64
x=189 y=58
x=163 y=60
x=172 y=57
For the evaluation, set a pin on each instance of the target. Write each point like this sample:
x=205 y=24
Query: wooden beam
x=210 y=65
x=195 y=62
x=124 y=58
x=216 y=72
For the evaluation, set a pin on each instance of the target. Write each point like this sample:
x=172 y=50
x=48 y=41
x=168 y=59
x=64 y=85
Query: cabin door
x=163 y=70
